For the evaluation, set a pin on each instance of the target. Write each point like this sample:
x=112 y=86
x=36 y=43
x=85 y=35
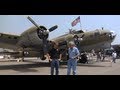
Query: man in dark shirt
x=77 y=41
x=54 y=56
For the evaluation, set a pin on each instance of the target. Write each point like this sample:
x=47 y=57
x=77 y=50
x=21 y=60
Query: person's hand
x=73 y=57
x=59 y=59
x=50 y=59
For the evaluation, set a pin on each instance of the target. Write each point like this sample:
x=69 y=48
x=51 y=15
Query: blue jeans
x=114 y=60
x=72 y=63
x=55 y=64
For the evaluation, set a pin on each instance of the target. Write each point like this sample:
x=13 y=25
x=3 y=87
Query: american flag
x=75 y=21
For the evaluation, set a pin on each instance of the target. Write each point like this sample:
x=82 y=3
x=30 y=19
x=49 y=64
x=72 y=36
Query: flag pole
x=80 y=24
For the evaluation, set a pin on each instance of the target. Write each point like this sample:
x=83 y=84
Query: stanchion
x=111 y=62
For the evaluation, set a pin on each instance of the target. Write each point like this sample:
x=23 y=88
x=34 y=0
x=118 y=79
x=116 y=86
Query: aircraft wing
x=8 y=41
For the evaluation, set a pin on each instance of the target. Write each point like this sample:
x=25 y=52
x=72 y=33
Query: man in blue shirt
x=73 y=55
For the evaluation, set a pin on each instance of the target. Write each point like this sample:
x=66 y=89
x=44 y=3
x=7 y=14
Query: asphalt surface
x=37 y=67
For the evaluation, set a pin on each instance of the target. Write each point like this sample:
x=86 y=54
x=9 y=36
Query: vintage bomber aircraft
x=98 y=39
x=35 y=41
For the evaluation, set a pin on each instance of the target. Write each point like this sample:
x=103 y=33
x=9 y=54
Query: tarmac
x=34 y=66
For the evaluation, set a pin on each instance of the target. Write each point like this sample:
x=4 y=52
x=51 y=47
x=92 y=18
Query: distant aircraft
x=35 y=43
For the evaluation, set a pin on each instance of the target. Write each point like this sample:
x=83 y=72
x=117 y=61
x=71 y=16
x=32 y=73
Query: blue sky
x=16 y=24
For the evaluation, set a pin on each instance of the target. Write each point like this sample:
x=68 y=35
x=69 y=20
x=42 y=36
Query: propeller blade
x=32 y=21
x=53 y=28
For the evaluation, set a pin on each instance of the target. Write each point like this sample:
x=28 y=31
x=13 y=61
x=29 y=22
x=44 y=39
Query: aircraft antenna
x=102 y=28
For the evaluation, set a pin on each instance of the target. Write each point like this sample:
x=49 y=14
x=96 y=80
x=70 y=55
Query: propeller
x=43 y=34
x=33 y=22
x=53 y=28
x=50 y=29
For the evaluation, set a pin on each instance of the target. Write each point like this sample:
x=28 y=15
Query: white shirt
x=114 y=55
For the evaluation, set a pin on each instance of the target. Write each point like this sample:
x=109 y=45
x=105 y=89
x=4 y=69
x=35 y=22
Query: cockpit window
x=80 y=31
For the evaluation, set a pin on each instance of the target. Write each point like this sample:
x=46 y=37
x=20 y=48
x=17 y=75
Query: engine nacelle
x=33 y=37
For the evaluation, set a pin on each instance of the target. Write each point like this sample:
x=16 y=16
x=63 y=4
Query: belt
x=72 y=58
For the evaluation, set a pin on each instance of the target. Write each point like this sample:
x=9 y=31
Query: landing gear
x=23 y=54
x=22 y=57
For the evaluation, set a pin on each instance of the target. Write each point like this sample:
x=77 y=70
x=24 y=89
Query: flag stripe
x=75 y=21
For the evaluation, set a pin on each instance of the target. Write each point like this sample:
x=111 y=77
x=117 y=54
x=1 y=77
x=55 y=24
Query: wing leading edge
x=8 y=41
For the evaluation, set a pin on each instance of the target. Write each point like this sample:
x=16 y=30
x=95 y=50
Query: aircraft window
x=15 y=37
x=9 y=37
